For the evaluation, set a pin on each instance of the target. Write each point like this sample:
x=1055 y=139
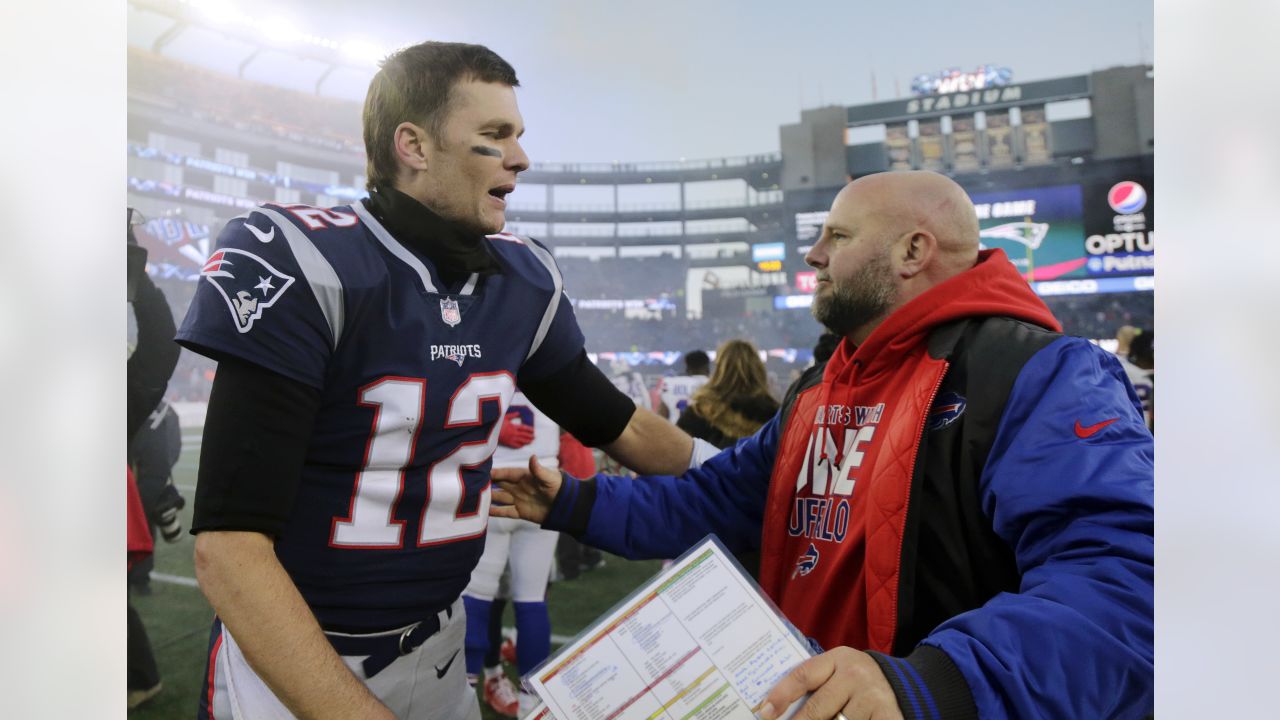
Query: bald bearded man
x=959 y=502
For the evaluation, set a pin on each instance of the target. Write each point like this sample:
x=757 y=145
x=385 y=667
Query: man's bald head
x=888 y=238
x=918 y=201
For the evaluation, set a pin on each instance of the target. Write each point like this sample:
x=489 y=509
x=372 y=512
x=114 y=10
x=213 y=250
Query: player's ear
x=411 y=145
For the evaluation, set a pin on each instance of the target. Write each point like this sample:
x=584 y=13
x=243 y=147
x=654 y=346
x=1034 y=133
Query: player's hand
x=527 y=494
x=843 y=681
x=514 y=434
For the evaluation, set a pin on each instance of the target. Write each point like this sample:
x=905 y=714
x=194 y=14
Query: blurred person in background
x=147 y=375
x=143 y=677
x=153 y=452
x=526 y=551
x=1139 y=363
x=673 y=392
x=958 y=504
x=735 y=402
x=1124 y=339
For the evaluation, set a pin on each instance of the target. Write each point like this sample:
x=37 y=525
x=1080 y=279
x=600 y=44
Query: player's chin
x=492 y=221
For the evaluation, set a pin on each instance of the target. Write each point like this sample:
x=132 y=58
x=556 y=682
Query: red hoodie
x=842 y=476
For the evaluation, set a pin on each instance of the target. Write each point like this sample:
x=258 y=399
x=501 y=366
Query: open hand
x=527 y=494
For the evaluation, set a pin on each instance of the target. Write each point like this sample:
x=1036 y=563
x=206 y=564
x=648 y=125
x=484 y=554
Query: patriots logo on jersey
x=246 y=282
x=947 y=409
x=450 y=313
x=807 y=562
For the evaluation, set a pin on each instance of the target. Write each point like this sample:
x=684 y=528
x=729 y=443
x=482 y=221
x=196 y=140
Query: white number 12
x=398 y=408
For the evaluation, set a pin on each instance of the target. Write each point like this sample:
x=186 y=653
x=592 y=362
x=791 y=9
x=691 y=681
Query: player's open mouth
x=500 y=193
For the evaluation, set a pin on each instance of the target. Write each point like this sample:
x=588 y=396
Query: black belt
x=385 y=648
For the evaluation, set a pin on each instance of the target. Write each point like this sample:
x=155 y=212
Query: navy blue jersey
x=393 y=502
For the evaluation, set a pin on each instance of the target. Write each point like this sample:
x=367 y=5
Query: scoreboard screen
x=1099 y=229
x=1040 y=229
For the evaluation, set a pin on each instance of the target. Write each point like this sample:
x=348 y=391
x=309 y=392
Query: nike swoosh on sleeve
x=262 y=237
x=1084 y=432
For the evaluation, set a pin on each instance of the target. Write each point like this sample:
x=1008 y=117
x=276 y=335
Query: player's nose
x=517 y=160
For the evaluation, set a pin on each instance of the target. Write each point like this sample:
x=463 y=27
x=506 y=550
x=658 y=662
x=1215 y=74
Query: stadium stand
x=204 y=147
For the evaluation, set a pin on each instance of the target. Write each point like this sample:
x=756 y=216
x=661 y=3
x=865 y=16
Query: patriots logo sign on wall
x=248 y=283
x=807 y=562
x=450 y=313
x=946 y=409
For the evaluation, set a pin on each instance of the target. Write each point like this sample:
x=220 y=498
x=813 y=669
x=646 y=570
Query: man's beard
x=850 y=304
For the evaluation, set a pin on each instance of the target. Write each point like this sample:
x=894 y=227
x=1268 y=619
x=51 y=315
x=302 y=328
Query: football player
x=366 y=356
x=674 y=392
x=527 y=550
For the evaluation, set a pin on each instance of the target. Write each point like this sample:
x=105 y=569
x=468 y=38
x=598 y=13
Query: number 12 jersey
x=390 y=511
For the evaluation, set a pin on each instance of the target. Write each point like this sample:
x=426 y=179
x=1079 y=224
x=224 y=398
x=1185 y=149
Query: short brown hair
x=414 y=85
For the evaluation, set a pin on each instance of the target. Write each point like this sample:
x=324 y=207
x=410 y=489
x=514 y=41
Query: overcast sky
x=664 y=79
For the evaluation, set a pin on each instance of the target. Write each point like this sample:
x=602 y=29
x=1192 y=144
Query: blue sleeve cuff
x=928 y=685
x=571 y=510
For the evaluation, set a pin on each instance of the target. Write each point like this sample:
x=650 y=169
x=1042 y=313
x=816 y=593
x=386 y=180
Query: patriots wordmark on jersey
x=415 y=377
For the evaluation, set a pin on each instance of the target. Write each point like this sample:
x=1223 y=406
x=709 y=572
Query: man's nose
x=816 y=257
x=517 y=160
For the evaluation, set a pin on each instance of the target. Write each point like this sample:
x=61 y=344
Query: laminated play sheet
x=698 y=641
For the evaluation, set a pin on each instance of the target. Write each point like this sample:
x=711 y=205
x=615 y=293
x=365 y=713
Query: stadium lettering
x=946 y=102
x=1120 y=242
x=1128 y=263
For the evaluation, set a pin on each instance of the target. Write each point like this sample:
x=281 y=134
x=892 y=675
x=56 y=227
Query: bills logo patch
x=449 y=312
x=807 y=562
x=246 y=282
x=946 y=409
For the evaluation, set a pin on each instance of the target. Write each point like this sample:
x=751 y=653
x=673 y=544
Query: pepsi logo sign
x=1127 y=197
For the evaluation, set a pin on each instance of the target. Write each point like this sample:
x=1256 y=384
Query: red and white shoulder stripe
x=508 y=237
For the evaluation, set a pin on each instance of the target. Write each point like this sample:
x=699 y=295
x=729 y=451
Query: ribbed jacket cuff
x=571 y=510
x=928 y=684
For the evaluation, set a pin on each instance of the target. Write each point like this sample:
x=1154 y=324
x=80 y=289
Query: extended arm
x=580 y=399
x=656 y=515
x=652 y=446
x=254 y=445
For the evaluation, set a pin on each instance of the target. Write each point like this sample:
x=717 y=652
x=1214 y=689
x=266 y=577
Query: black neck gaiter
x=455 y=252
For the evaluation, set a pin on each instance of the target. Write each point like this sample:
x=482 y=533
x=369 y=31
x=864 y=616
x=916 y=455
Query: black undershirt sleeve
x=582 y=401
x=255 y=441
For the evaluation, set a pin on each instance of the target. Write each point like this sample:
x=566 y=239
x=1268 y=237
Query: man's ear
x=411 y=145
x=915 y=252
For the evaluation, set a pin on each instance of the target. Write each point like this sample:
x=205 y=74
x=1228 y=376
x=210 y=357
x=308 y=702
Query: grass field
x=177 y=616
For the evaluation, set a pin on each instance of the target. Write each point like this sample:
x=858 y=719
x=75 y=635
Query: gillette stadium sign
x=962 y=94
